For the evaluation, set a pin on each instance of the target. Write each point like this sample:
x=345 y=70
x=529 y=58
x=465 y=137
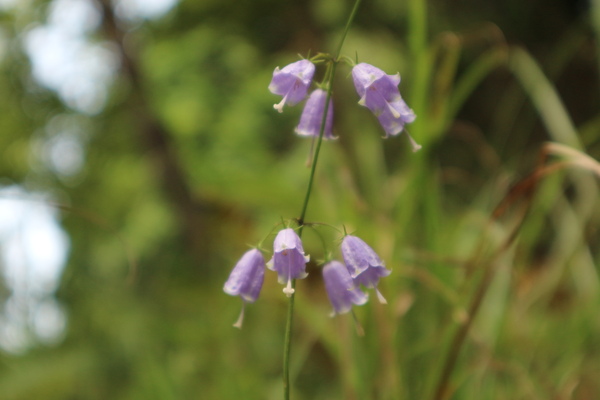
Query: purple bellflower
x=288 y=259
x=364 y=265
x=246 y=280
x=312 y=116
x=341 y=290
x=379 y=93
x=292 y=82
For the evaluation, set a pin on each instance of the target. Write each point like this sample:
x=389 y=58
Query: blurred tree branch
x=157 y=141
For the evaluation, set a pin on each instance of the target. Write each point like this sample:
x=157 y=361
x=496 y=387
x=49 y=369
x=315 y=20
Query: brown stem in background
x=156 y=140
x=523 y=190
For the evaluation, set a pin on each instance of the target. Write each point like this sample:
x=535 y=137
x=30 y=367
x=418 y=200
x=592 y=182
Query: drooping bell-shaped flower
x=288 y=259
x=312 y=116
x=379 y=93
x=341 y=289
x=375 y=88
x=292 y=82
x=246 y=280
x=393 y=125
x=364 y=265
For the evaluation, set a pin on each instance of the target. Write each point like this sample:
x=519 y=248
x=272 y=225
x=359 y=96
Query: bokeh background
x=140 y=157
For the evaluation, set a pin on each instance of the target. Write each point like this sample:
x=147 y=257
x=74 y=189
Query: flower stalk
x=290 y=313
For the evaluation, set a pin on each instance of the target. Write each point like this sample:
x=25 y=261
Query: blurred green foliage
x=490 y=82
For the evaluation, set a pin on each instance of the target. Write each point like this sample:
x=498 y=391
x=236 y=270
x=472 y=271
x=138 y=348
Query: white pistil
x=279 y=106
x=415 y=146
x=380 y=297
x=394 y=112
x=289 y=290
x=240 y=320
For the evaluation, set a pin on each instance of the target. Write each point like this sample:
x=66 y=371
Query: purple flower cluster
x=362 y=267
x=377 y=91
x=289 y=261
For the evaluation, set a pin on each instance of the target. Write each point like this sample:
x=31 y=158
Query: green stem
x=313 y=167
x=316 y=156
x=347 y=28
x=290 y=313
x=287 y=344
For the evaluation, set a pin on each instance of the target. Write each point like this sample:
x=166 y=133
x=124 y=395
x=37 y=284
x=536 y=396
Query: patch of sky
x=33 y=252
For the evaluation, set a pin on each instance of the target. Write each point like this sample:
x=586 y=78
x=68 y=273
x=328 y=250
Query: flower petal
x=292 y=82
x=312 y=116
x=341 y=290
x=246 y=278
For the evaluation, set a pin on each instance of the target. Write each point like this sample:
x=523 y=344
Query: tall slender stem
x=347 y=28
x=287 y=344
x=313 y=168
x=316 y=156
